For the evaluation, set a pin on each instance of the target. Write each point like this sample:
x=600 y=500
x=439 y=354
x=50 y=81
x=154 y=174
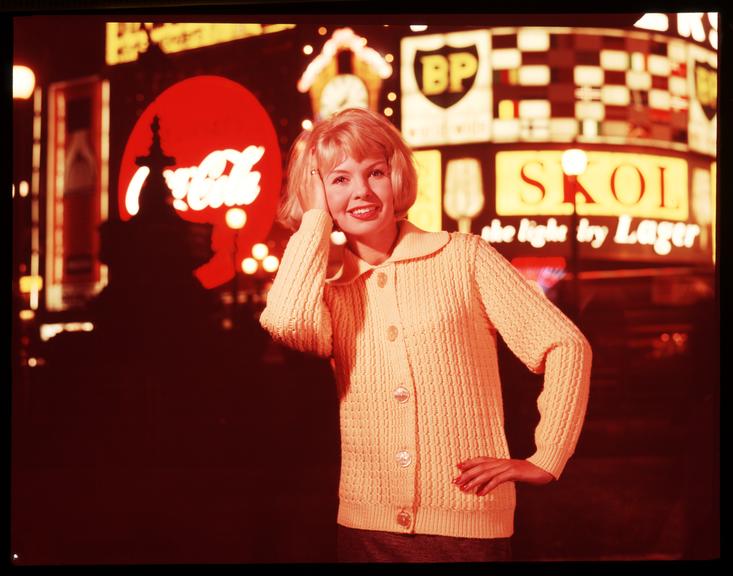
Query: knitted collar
x=412 y=242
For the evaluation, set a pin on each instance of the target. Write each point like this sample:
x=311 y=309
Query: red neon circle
x=198 y=116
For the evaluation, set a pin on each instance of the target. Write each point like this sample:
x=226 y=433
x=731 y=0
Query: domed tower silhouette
x=151 y=258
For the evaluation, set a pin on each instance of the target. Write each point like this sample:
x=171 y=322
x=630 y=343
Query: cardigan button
x=401 y=394
x=404 y=458
x=381 y=279
x=404 y=519
x=392 y=333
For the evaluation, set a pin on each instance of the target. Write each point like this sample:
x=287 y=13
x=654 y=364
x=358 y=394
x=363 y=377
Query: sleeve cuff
x=316 y=217
x=552 y=460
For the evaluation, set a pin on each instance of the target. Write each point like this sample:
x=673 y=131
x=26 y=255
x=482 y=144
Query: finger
x=470 y=473
x=465 y=464
x=485 y=476
x=480 y=480
x=495 y=481
x=472 y=462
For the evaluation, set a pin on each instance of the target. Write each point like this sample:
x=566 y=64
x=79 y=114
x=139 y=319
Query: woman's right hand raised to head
x=314 y=195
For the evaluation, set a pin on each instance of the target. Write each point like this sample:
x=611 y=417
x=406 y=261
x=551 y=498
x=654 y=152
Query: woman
x=410 y=321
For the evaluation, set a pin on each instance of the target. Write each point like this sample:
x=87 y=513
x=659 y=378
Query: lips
x=365 y=212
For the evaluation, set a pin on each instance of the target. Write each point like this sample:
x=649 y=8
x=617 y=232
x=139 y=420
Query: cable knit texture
x=414 y=347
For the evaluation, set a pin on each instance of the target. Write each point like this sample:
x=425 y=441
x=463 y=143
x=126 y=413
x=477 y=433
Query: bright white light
x=590 y=128
x=32 y=362
x=23 y=189
x=338 y=237
x=418 y=27
x=27 y=314
x=249 y=265
x=271 y=263
x=391 y=96
x=534 y=108
x=653 y=21
x=690 y=24
x=574 y=161
x=533 y=40
x=13 y=190
x=388 y=111
x=307 y=49
x=132 y=198
x=236 y=218
x=307 y=124
x=15 y=556
x=389 y=58
x=24 y=82
x=48 y=331
x=260 y=251
x=534 y=75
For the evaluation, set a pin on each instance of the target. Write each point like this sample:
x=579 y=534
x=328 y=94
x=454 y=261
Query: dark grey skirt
x=354 y=545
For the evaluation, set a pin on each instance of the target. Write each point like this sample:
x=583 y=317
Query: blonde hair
x=356 y=133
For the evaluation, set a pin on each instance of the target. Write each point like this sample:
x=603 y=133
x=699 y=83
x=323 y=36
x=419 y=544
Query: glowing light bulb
x=271 y=263
x=418 y=27
x=24 y=82
x=388 y=111
x=307 y=49
x=260 y=251
x=574 y=161
x=307 y=124
x=236 y=218
x=249 y=265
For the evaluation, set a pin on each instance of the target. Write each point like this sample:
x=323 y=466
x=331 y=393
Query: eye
x=339 y=180
x=378 y=172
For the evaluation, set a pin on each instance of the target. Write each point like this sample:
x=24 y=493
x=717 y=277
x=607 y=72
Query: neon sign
x=446 y=88
x=662 y=236
x=227 y=154
x=532 y=182
x=206 y=185
x=688 y=24
x=127 y=40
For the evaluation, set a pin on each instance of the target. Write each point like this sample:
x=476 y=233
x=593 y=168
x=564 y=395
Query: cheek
x=387 y=194
x=334 y=199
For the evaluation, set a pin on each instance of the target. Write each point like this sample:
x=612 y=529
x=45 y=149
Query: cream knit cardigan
x=413 y=342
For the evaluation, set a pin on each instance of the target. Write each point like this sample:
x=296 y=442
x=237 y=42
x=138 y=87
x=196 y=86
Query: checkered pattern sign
x=602 y=85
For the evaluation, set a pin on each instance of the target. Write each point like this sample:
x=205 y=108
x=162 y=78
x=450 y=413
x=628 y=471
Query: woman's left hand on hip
x=483 y=474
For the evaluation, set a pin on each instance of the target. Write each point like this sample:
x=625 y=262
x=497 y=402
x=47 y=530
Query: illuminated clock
x=343 y=91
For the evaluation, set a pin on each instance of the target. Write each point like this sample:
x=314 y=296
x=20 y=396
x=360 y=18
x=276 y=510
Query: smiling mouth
x=365 y=213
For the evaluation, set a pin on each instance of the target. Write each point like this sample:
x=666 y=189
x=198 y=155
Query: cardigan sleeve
x=296 y=313
x=546 y=341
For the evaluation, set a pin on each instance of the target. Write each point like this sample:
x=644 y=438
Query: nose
x=362 y=189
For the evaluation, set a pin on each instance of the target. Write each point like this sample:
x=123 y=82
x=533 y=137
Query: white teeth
x=363 y=210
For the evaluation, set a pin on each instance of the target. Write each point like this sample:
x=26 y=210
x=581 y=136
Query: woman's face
x=360 y=198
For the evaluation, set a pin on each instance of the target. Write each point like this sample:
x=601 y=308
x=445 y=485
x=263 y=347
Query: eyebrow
x=369 y=167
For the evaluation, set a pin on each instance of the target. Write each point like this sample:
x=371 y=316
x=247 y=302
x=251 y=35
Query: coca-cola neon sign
x=227 y=155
